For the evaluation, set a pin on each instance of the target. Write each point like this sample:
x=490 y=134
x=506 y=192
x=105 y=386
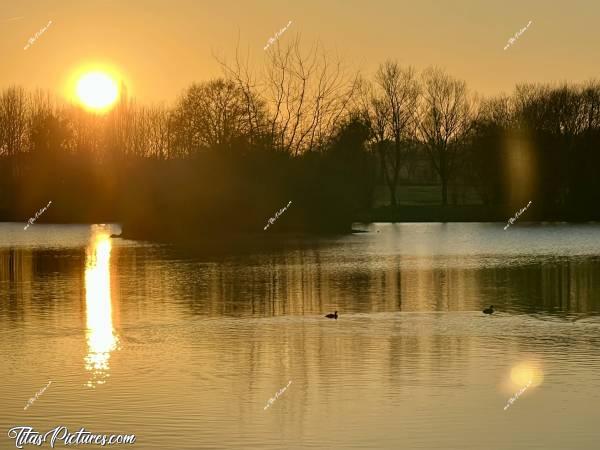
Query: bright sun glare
x=97 y=90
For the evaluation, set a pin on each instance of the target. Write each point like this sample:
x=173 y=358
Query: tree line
x=303 y=127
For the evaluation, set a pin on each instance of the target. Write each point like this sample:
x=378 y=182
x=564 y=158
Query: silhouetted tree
x=446 y=115
x=14 y=113
x=210 y=115
x=305 y=96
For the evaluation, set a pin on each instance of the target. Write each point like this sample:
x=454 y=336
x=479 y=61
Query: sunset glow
x=436 y=284
x=97 y=91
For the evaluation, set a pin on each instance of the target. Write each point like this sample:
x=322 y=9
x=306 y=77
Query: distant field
x=424 y=195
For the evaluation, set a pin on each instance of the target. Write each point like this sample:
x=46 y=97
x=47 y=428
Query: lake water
x=185 y=347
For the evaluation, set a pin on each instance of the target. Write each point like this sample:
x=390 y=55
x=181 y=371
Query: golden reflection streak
x=101 y=338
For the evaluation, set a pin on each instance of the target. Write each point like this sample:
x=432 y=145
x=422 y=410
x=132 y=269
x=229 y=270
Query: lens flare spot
x=523 y=373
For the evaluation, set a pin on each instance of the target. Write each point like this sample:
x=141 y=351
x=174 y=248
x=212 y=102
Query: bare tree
x=242 y=75
x=399 y=93
x=305 y=95
x=446 y=116
x=211 y=115
x=136 y=138
x=375 y=113
x=591 y=96
x=498 y=110
x=86 y=130
x=118 y=126
x=14 y=112
x=160 y=133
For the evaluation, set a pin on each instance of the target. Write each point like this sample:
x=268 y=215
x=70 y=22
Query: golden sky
x=161 y=46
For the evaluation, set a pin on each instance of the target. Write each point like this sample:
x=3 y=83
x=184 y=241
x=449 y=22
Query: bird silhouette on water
x=332 y=316
x=489 y=310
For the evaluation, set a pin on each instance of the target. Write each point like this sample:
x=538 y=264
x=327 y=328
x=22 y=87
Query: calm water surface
x=185 y=347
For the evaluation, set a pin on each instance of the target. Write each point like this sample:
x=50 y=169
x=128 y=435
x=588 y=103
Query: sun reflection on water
x=101 y=337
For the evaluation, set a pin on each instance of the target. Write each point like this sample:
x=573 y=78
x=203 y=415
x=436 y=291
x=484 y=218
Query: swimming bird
x=332 y=316
x=489 y=310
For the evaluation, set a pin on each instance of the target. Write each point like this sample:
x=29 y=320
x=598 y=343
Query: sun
x=97 y=91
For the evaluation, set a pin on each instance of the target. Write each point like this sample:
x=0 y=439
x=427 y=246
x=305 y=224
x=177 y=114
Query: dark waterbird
x=489 y=310
x=332 y=316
